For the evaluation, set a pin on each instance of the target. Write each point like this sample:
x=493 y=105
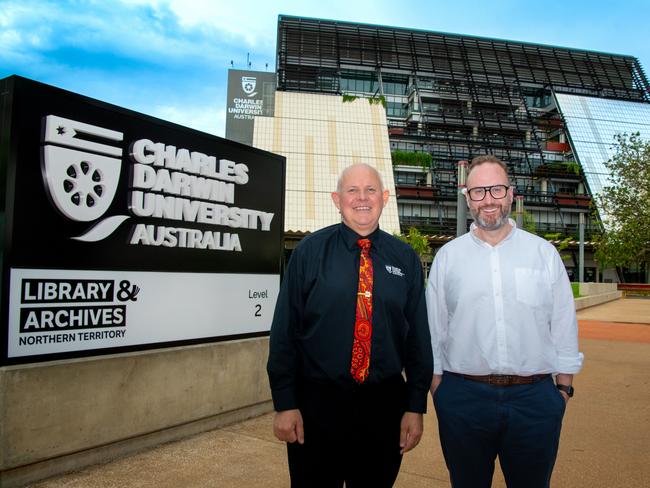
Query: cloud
x=173 y=55
x=149 y=32
x=20 y=35
x=250 y=25
x=207 y=118
x=248 y=22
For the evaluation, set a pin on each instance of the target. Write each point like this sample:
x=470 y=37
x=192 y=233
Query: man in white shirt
x=502 y=321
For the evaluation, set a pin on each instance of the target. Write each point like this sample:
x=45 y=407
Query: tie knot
x=364 y=244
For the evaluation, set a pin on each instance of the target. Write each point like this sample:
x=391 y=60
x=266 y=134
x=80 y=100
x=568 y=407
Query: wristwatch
x=568 y=389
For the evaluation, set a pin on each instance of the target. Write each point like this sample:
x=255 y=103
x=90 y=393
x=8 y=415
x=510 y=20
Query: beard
x=493 y=222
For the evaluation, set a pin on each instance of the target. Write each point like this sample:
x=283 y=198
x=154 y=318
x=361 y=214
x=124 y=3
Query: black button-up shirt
x=313 y=324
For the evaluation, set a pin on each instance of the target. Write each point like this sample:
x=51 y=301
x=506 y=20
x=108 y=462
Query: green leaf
x=625 y=204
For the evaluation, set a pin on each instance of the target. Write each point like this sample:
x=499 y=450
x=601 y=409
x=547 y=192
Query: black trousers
x=350 y=436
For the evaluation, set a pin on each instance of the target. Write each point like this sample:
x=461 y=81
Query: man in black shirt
x=342 y=423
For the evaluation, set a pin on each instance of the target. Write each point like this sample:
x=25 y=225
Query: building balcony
x=565 y=230
x=537 y=198
x=414 y=117
x=566 y=169
x=415 y=191
x=429 y=225
x=558 y=146
x=572 y=200
x=549 y=122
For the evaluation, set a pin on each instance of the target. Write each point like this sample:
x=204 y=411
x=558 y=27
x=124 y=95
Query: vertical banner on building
x=126 y=232
x=250 y=94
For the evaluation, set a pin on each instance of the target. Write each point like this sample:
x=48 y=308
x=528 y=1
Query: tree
x=529 y=223
x=418 y=242
x=625 y=205
x=562 y=244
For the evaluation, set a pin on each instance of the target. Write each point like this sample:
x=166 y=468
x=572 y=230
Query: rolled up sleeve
x=564 y=324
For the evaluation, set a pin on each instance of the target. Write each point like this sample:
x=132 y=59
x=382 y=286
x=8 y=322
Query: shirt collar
x=350 y=237
x=481 y=242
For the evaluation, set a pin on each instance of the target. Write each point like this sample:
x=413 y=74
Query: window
x=406 y=178
x=396 y=109
x=395 y=85
x=358 y=81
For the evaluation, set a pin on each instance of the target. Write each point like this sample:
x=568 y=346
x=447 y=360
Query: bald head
x=355 y=167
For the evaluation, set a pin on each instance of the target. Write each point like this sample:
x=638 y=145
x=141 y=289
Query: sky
x=170 y=58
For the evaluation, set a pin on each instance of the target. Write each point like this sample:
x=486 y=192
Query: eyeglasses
x=478 y=193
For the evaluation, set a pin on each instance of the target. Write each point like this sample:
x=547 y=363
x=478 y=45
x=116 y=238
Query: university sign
x=127 y=232
x=250 y=94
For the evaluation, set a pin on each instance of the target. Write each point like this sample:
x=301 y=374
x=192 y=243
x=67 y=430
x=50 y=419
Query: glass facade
x=593 y=123
x=358 y=81
x=396 y=109
x=395 y=85
x=455 y=97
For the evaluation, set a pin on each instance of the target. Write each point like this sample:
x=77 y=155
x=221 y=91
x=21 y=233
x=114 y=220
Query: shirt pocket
x=532 y=287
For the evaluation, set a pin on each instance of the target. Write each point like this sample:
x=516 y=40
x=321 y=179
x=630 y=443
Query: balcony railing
x=572 y=200
x=557 y=146
x=447 y=226
x=429 y=225
x=566 y=169
x=416 y=191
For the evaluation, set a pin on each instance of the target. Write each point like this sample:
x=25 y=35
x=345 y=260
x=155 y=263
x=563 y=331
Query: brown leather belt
x=503 y=379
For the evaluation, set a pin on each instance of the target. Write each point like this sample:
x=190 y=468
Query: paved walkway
x=605 y=439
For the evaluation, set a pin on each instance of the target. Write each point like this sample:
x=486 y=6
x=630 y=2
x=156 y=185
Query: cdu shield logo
x=248 y=84
x=81 y=166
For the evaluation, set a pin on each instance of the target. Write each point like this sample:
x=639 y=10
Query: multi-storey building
x=452 y=97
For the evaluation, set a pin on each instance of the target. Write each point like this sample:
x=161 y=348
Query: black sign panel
x=91 y=186
x=250 y=94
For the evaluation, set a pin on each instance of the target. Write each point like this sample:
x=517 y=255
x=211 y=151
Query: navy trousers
x=478 y=422
x=351 y=436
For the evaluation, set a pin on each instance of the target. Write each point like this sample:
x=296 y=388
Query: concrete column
x=519 y=210
x=461 y=204
x=581 y=255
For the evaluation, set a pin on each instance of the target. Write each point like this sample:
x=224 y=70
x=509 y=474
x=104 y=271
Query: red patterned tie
x=363 y=323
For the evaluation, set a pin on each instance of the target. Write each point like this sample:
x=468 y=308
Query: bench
x=634 y=289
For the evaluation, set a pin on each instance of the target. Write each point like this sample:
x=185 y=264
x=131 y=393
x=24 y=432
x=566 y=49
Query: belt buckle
x=500 y=379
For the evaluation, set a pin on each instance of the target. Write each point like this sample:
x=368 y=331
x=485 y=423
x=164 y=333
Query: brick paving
x=605 y=439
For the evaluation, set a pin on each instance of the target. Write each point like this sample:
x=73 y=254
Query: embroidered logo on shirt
x=394 y=270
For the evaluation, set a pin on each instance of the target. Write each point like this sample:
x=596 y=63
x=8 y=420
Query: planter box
x=557 y=146
x=415 y=192
x=575 y=200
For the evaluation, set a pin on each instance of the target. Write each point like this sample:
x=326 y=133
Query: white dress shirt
x=504 y=309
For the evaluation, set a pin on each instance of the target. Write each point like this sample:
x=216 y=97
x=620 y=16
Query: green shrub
x=567 y=167
x=378 y=99
x=576 y=289
x=409 y=158
x=417 y=241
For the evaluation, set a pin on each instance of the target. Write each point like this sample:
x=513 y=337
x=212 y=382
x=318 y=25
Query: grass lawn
x=576 y=289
